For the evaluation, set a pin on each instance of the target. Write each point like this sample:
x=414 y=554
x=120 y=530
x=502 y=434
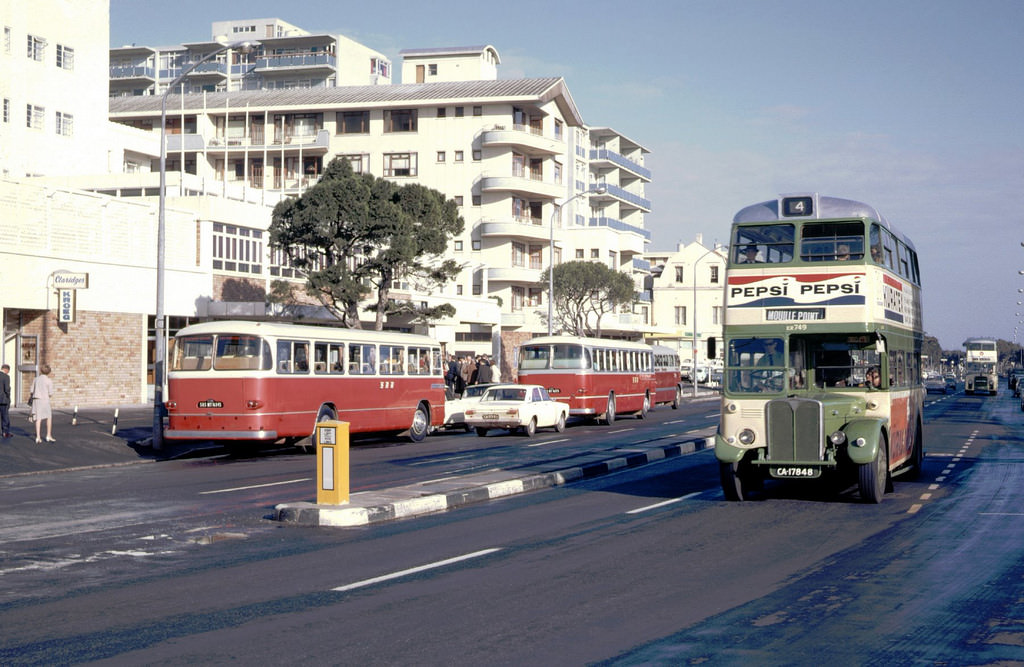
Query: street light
x=694 y=348
x=160 y=351
x=599 y=189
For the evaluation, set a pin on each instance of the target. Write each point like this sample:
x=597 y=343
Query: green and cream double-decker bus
x=822 y=338
x=980 y=359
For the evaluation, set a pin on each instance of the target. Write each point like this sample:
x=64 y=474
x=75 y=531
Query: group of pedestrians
x=39 y=403
x=468 y=370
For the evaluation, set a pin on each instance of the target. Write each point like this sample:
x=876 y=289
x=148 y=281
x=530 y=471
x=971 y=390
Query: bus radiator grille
x=794 y=430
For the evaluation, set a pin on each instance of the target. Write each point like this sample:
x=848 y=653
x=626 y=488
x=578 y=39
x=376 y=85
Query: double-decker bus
x=823 y=339
x=668 y=387
x=597 y=377
x=980 y=361
x=262 y=381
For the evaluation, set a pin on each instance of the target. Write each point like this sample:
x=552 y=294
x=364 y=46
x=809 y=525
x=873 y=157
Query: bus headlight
x=747 y=437
x=837 y=438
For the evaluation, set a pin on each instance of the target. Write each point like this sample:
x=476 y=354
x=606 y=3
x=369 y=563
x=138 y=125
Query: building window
x=459 y=155
x=460 y=112
x=477 y=155
x=595 y=253
x=399 y=120
x=237 y=248
x=536 y=257
x=477 y=290
x=458 y=200
x=359 y=162
x=714 y=274
x=518 y=254
x=518 y=297
x=679 y=274
x=400 y=164
x=65 y=57
x=579 y=253
x=458 y=246
x=558 y=129
x=36 y=48
x=534 y=298
x=432 y=69
x=34 y=116
x=65 y=124
x=7 y=110
x=476 y=200
x=440 y=156
x=478 y=110
x=476 y=244
x=441 y=112
x=7 y=39
x=353 y=122
x=716 y=314
x=458 y=290
x=680 y=315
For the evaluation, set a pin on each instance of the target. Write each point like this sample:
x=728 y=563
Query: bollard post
x=332 y=471
x=74 y=417
x=113 y=429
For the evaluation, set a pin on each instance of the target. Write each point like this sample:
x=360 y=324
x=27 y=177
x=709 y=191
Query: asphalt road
x=176 y=562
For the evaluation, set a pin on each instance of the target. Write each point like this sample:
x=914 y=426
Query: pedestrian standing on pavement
x=483 y=372
x=42 y=390
x=467 y=371
x=495 y=371
x=5 y=401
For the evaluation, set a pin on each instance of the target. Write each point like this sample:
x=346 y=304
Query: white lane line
x=547 y=442
x=638 y=510
x=713 y=414
x=256 y=486
x=414 y=570
x=443 y=460
x=676 y=421
x=621 y=430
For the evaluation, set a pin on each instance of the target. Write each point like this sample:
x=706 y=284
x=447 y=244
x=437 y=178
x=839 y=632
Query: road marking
x=621 y=430
x=914 y=508
x=713 y=414
x=442 y=460
x=676 y=421
x=422 y=568
x=256 y=486
x=547 y=442
x=638 y=510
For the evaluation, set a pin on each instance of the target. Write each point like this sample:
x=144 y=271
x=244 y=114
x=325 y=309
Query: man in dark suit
x=5 y=400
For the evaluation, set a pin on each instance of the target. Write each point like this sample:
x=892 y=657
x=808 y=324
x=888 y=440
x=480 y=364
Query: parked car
x=524 y=407
x=950 y=383
x=455 y=409
x=935 y=383
x=1016 y=380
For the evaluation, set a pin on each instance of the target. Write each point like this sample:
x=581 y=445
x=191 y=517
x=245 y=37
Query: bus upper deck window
x=764 y=244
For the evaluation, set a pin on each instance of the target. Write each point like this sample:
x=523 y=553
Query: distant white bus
x=980 y=361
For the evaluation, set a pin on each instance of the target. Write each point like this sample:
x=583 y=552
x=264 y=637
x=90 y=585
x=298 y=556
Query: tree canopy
x=584 y=292
x=354 y=234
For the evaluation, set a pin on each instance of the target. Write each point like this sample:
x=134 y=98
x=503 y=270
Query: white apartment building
x=281 y=55
x=688 y=288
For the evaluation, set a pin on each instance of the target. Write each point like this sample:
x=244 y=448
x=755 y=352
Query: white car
x=517 y=406
x=455 y=409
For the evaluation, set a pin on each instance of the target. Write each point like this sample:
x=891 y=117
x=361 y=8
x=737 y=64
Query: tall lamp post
x=694 y=373
x=160 y=351
x=599 y=189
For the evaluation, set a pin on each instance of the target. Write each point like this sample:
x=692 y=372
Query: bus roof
x=980 y=340
x=593 y=342
x=286 y=330
x=820 y=208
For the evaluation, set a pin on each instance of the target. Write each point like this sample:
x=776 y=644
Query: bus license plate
x=795 y=472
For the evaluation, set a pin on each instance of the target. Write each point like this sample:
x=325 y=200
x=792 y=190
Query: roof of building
x=450 y=51
x=538 y=90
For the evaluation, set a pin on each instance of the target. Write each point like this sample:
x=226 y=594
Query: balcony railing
x=136 y=72
x=296 y=60
x=621 y=226
x=629 y=197
x=620 y=160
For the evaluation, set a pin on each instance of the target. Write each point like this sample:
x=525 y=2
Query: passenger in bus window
x=749 y=255
x=843 y=252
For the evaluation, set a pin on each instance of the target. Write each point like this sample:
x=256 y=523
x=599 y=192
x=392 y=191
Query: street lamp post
x=160 y=351
x=599 y=189
x=694 y=349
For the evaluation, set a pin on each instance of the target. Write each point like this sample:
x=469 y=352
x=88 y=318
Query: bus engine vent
x=795 y=431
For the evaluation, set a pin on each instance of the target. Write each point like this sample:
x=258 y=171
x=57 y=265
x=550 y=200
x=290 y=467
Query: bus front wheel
x=732 y=480
x=609 y=411
x=872 y=476
x=420 y=424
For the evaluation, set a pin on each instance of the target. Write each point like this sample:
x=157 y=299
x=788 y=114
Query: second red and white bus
x=264 y=381
x=597 y=377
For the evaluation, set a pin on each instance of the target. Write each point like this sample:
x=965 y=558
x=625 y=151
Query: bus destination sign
x=793 y=314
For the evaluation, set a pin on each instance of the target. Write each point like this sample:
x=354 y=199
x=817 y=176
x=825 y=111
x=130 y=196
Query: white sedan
x=517 y=406
x=455 y=409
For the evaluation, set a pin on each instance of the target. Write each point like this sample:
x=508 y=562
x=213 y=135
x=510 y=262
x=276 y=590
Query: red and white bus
x=265 y=381
x=668 y=388
x=597 y=377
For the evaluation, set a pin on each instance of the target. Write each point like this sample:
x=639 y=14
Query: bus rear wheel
x=420 y=424
x=872 y=476
x=677 y=398
x=645 y=408
x=609 y=411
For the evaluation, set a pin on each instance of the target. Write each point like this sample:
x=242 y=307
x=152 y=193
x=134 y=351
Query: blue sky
x=913 y=106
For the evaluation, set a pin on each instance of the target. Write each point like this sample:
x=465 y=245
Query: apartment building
x=270 y=54
x=509 y=152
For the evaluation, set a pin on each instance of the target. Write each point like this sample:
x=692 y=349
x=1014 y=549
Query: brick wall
x=95 y=360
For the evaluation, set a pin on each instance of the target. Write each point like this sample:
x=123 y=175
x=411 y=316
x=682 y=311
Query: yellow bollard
x=332 y=463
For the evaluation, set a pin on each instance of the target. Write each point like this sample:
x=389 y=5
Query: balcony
x=603 y=155
x=530 y=229
x=295 y=62
x=314 y=144
x=212 y=71
x=516 y=274
x=625 y=197
x=523 y=138
x=529 y=187
x=620 y=226
x=135 y=74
